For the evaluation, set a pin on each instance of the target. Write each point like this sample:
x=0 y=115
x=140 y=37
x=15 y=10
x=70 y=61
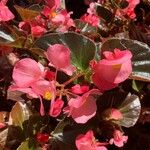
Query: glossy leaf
x=26 y=14
x=67 y=130
x=130 y=108
x=6 y=34
x=84 y=27
x=104 y=13
x=3 y=138
x=11 y=37
x=19 y=113
x=137 y=85
x=82 y=48
x=26 y=146
x=141 y=56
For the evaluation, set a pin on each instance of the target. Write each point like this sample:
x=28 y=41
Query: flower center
x=53 y=14
x=48 y=95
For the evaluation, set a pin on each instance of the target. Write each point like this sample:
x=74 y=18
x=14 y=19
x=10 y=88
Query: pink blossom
x=82 y=108
x=60 y=18
x=37 y=31
x=115 y=114
x=44 y=88
x=53 y=3
x=49 y=12
x=63 y=20
x=62 y=61
x=119 y=139
x=78 y=89
x=129 y=10
x=38 y=89
x=50 y=75
x=56 y=107
x=2 y=125
x=88 y=142
x=28 y=77
x=91 y=19
x=91 y=10
x=26 y=72
x=114 y=69
x=5 y=13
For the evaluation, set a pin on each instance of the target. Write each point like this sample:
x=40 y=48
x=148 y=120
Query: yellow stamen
x=53 y=14
x=48 y=95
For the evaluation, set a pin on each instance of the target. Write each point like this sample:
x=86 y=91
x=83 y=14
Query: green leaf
x=82 y=48
x=130 y=108
x=11 y=37
x=19 y=113
x=140 y=59
x=26 y=146
x=137 y=85
x=129 y=105
x=84 y=27
x=104 y=13
x=67 y=130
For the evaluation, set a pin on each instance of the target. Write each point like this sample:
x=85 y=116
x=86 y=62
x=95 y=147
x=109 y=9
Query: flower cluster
x=66 y=70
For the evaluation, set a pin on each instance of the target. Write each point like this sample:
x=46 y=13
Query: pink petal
x=116 y=114
x=42 y=86
x=2 y=125
x=24 y=90
x=62 y=61
x=85 y=112
x=26 y=72
x=56 y=107
x=77 y=89
x=116 y=68
x=53 y=3
x=5 y=13
x=101 y=83
x=37 y=31
x=42 y=112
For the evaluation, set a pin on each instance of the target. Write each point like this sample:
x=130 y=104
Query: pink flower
x=28 y=76
x=37 y=31
x=129 y=10
x=114 y=69
x=56 y=107
x=5 y=13
x=62 y=61
x=77 y=89
x=50 y=75
x=119 y=139
x=63 y=21
x=115 y=114
x=26 y=72
x=44 y=88
x=82 y=108
x=91 y=19
x=2 y=125
x=91 y=10
x=53 y=3
x=87 y=142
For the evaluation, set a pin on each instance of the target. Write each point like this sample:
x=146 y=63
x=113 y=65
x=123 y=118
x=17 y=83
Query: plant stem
x=72 y=79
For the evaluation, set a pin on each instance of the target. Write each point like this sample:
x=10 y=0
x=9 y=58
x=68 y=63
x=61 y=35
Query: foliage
x=74 y=83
